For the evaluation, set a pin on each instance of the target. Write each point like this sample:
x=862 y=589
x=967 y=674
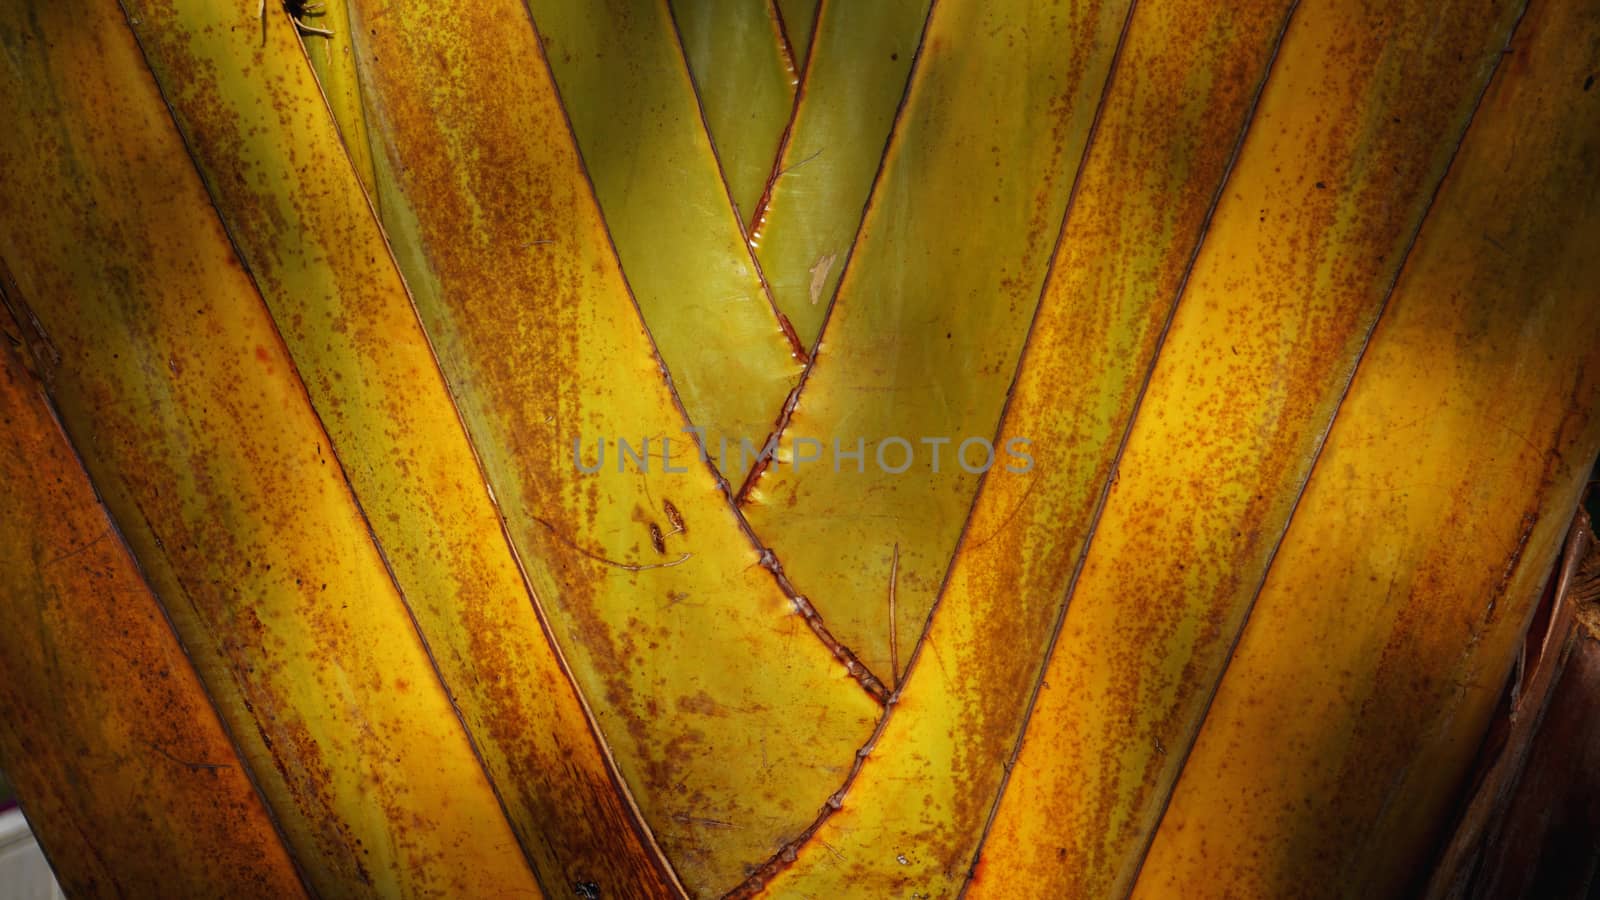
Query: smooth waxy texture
x=130 y=780
x=745 y=82
x=1335 y=761
x=626 y=89
x=853 y=84
x=1300 y=258
x=304 y=229
x=932 y=312
x=911 y=821
x=729 y=719
x=174 y=386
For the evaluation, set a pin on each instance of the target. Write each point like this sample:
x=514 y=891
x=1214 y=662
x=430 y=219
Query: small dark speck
x=894 y=56
x=588 y=890
x=1588 y=83
x=1322 y=185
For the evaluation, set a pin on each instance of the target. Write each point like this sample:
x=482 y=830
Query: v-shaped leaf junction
x=767 y=447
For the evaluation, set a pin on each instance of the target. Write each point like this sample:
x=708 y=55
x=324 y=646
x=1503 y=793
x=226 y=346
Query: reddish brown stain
x=131 y=783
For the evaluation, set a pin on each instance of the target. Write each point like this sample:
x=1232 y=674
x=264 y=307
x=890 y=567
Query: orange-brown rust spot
x=702 y=704
x=107 y=727
x=674 y=517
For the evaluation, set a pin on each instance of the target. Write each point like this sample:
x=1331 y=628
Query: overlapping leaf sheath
x=854 y=81
x=799 y=18
x=1523 y=828
x=1277 y=318
x=932 y=312
x=1318 y=214
x=1388 y=622
x=332 y=53
x=176 y=390
x=306 y=233
x=745 y=82
x=626 y=90
x=131 y=782
x=912 y=820
x=728 y=717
